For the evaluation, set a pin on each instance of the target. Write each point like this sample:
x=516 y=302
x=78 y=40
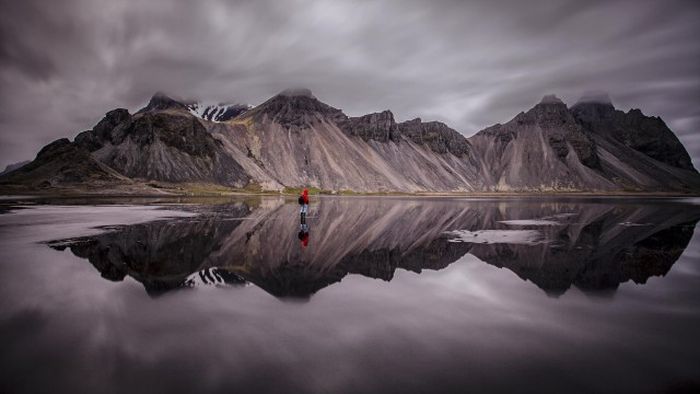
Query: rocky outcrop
x=111 y=129
x=381 y=127
x=378 y=126
x=436 y=136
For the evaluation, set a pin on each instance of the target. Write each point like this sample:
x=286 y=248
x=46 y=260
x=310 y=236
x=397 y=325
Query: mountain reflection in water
x=592 y=245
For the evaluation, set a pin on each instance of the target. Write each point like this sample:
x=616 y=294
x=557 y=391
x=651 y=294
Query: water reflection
x=592 y=245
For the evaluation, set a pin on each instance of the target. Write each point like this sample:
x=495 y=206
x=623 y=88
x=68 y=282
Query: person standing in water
x=304 y=210
x=304 y=202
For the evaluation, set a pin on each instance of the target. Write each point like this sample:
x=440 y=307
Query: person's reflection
x=303 y=232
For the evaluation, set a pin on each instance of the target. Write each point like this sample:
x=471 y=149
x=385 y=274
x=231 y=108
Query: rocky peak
x=160 y=101
x=549 y=112
x=297 y=109
x=378 y=126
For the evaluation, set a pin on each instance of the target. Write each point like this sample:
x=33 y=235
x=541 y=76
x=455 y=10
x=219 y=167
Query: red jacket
x=305 y=195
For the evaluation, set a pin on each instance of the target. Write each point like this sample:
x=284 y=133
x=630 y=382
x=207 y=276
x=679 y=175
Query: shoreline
x=26 y=195
x=153 y=189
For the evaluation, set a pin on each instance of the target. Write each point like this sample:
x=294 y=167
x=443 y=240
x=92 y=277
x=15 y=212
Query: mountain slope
x=540 y=150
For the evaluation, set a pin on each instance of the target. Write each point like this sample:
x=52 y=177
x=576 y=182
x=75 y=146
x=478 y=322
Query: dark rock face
x=646 y=134
x=182 y=133
x=169 y=147
x=161 y=144
x=110 y=129
x=437 y=136
x=379 y=126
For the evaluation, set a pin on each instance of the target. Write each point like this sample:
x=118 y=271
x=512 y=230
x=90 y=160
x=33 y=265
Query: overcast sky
x=471 y=64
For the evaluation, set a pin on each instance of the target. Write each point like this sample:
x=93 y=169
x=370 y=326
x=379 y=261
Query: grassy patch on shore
x=312 y=190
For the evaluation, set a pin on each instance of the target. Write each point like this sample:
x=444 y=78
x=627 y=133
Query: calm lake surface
x=390 y=294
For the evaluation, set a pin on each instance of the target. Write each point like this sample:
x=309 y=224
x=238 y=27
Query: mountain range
x=294 y=140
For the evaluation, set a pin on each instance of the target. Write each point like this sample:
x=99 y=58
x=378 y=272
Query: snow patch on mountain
x=217 y=112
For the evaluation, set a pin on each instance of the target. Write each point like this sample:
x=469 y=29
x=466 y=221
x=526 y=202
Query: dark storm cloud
x=63 y=64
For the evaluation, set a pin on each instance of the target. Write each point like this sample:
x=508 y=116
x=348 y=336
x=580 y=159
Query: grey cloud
x=469 y=64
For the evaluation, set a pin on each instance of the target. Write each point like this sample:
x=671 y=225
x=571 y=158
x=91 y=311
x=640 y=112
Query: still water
x=383 y=294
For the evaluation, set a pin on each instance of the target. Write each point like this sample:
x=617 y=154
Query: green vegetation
x=312 y=190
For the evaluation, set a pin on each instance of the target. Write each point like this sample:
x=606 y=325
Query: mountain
x=11 y=167
x=162 y=142
x=295 y=140
x=590 y=146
